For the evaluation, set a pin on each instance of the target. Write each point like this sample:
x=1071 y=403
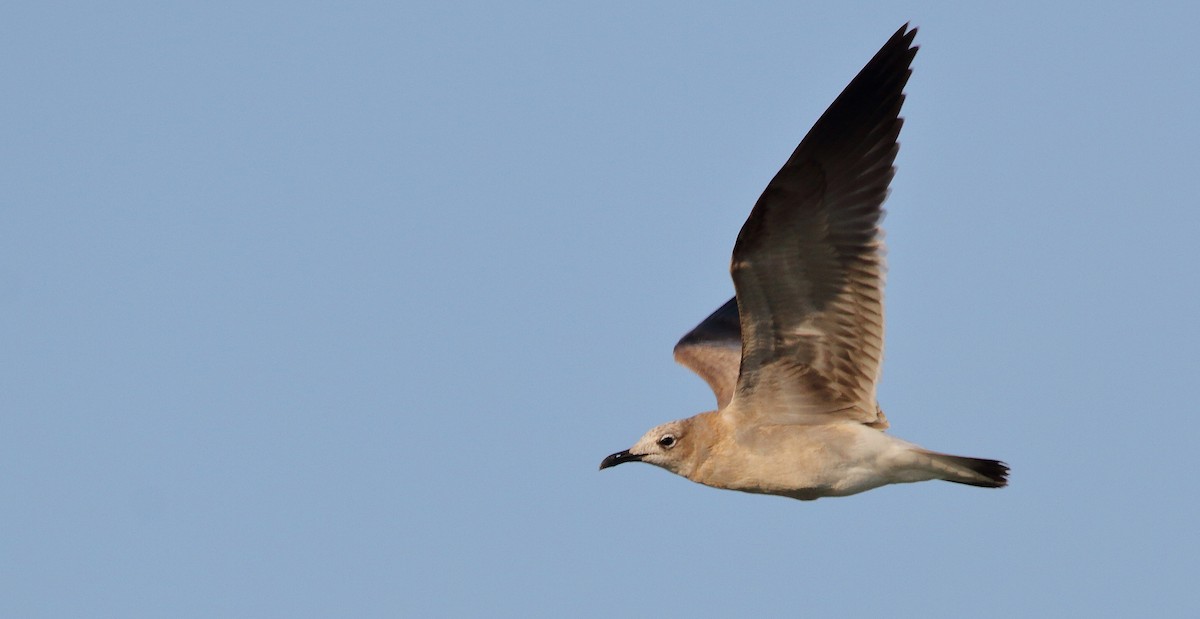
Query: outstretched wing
x=808 y=265
x=714 y=351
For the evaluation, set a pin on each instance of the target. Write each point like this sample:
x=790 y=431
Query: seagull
x=795 y=356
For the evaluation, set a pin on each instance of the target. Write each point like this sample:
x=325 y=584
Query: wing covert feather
x=714 y=351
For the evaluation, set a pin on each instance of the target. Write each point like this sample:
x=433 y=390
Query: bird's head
x=674 y=446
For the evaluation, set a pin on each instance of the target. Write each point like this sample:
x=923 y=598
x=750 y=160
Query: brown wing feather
x=808 y=265
x=714 y=351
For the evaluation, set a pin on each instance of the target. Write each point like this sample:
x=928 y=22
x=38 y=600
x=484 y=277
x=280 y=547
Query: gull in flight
x=795 y=356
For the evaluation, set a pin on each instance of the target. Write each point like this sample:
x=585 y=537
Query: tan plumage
x=795 y=357
x=714 y=351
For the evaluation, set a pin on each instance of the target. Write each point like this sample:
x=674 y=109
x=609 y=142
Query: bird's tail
x=971 y=471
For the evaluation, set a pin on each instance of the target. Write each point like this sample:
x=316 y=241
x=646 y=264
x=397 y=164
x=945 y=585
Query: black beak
x=620 y=457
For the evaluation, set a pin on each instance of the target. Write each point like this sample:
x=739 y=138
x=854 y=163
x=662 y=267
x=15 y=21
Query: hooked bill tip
x=620 y=457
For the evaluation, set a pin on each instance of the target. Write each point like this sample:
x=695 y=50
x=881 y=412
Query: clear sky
x=333 y=309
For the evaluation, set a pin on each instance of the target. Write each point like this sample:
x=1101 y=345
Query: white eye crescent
x=667 y=440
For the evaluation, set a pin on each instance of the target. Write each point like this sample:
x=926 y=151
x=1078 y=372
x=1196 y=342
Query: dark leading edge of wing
x=808 y=263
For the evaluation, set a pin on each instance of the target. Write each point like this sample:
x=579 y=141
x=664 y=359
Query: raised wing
x=714 y=351
x=808 y=264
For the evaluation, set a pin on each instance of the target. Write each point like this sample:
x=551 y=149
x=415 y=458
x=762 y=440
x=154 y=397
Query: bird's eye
x=667 y=440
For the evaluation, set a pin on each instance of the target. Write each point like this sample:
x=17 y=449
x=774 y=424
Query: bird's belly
x=802 y=462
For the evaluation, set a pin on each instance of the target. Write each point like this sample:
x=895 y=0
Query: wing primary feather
x=808 y=265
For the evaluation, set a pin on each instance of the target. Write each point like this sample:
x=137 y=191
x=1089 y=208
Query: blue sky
x=317 y=310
